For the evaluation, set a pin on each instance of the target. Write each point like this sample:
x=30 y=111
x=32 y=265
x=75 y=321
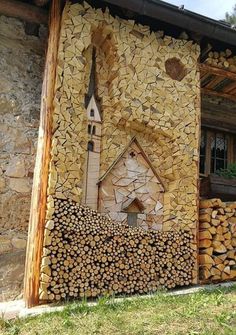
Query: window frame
x=90 y=146
x=209 y=132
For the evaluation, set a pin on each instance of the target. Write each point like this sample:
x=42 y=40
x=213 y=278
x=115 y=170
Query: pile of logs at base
x=223 y=60
x=217 y=240
x=87 y=255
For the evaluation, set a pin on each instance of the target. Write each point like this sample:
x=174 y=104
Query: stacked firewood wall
x=223 y=60
x=217 y=240
x=87 y=255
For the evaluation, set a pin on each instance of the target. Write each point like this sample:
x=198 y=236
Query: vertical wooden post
x=39 y=191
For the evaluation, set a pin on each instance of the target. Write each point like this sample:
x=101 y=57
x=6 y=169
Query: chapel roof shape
x=133 y=140
x=133 y=203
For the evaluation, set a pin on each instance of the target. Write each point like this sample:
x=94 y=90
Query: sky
x=215 y=9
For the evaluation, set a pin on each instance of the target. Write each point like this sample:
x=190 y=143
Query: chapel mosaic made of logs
x=122 y=186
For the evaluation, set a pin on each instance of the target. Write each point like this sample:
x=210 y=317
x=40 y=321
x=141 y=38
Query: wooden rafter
x=218 y=94
x=40 y=3
x=24 y=11
x=229 y=88
x=217 y=82
x=218 y=72
x=213 y=82
x=39 y=191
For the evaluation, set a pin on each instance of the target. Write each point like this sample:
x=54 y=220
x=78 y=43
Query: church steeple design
x=94 y=141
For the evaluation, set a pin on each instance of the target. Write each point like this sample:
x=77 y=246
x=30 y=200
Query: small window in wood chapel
x=132 y=207
x=92 y=113
x=89 y=129
x=90 y=146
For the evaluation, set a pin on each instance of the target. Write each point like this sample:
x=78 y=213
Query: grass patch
x=205 y=313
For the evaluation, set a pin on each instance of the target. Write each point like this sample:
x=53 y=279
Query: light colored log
x=219 y=247
x=205 y=234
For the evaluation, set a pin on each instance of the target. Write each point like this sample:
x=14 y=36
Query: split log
x=216 y=240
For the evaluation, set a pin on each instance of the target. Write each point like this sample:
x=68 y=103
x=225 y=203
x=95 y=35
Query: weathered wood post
x=39 y=191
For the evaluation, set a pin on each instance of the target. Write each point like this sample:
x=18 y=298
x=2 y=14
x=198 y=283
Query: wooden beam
x=39 y=191
x=23 y=11
x=218 y=94
x=214 y=82
x=229 y=88
x=40 y=3
x=216 y=71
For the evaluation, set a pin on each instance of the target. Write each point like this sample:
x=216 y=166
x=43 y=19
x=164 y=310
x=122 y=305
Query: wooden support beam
x=39 y=191
x=216 y=71
x=214 y=82
x=40 y=3
x=229 y=88
x=24 y=11
x=218 y=94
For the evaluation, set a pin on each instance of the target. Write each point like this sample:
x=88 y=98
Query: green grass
x=205 y=313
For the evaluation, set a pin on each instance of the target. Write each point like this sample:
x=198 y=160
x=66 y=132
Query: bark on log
x=87 y=254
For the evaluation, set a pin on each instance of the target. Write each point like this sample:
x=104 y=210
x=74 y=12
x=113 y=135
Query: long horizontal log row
x=217 y=240
x=87 y=255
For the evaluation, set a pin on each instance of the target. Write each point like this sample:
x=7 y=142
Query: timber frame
x=39 y=191
x=218 y=82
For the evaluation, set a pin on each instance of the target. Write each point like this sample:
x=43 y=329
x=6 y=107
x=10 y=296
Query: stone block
x=20 y=185
x=16 y=168
x=18 y=243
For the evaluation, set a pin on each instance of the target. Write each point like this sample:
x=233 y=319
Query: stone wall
x=21 y=63
x=148 y=88
x=217 y=240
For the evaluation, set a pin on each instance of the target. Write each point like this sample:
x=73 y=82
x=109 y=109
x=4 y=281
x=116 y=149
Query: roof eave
x=182 y=18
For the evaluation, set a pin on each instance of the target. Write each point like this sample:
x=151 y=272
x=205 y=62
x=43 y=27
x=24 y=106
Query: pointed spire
x=92 y=80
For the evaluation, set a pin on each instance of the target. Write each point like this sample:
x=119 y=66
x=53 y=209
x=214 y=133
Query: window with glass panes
x=216 y=151
x=219 y=149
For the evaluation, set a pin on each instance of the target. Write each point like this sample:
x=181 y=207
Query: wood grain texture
x=218 y=72
x=40 y=3
x=217 y=240
x=39 y=191
x=218 y=94
x=87 y=255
